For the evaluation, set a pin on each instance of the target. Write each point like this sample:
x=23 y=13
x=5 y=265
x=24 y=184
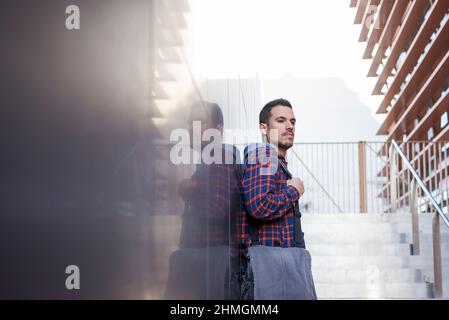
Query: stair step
x=367 y=256
x=355 y=217
x=364 y=227
x=366 y=275
x=370 y=291
x=371 y=248
x=372 y=237
x=368 y=249
x=381 y=262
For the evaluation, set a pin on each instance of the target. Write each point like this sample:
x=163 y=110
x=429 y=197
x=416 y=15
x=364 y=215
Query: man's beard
x=285 y=146
x=279 y=144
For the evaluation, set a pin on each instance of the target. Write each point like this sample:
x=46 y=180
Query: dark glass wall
x=76 y=148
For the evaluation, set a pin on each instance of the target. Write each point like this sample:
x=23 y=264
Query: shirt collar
x=283 y=159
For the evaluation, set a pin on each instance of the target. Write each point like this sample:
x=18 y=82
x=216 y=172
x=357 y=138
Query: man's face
x=199 y=114
x=280 y=129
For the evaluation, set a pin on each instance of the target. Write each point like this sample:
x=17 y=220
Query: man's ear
x=220 y=128
x=263 y=128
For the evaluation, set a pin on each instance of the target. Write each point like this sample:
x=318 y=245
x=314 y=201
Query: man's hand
x=297 y=183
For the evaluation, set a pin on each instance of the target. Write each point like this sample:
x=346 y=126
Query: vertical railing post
x=415 y=217
x=437 y=267
x=393 y=174
x=362 y=176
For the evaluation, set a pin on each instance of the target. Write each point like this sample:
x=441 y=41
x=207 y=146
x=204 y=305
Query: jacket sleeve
x=261 y=199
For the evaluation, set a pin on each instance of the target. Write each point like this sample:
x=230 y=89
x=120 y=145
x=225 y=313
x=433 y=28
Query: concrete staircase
x=367 y=256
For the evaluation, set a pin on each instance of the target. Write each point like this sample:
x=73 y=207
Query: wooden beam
x=393 y=174
x=386 y=38
x=440 y=44
x=425 y=92
x=419 y=42
x=415 y=217
x=361 y=8
x=368 y=19
x=437 y=264
x=384 y=12
x=432 y=117
x=362 y=176
x=400 y=43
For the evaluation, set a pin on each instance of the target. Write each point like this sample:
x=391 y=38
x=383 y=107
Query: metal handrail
x=420 y=182
x=384 y=161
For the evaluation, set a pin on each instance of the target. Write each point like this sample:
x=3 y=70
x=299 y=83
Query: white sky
x=271 y=38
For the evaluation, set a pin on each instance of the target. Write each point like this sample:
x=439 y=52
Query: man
x=206 y=264
x=277 y=264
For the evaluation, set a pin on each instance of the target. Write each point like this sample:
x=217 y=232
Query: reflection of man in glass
x=203 y=266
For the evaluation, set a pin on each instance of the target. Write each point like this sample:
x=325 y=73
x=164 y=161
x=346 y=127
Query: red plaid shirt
x=213 y=205
x=268 y=199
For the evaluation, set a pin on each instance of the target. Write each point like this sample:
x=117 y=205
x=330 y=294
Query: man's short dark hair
x=216 y=113
x=211 y=108
x=265 y=113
